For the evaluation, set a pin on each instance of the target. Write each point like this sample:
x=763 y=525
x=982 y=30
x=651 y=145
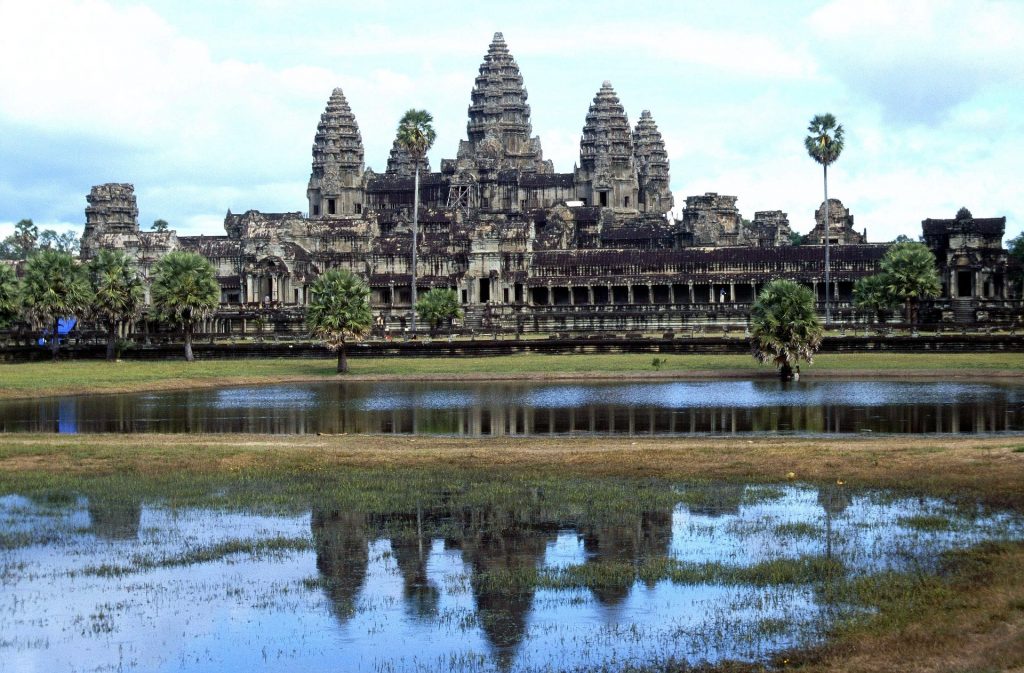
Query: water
x=495 y=577
x=518 y=408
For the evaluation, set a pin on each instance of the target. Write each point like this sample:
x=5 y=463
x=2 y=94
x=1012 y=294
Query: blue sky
x=207 y=106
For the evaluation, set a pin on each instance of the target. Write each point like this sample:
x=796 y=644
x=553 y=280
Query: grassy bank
x=47 y=378
x=990 y=469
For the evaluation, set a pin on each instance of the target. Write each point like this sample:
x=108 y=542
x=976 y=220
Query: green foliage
x=416 y=133
x=22 y=242
x=55 y=286
x=10 y=301
x=910 y=273
x=1015 y=247
x=796 y=238
x=340 y=310
x=438 y=306
x=783 y=325
x=117 y=292
x=871 y=295
x=825 y=142
x=66 y=242
x=160 y=225
x=185 y=291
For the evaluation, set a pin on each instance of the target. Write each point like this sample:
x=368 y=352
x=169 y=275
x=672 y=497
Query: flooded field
x=416 y=571
x=525 y=408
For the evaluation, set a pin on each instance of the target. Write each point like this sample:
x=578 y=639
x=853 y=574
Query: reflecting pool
x=366 y=573
x=523 y=408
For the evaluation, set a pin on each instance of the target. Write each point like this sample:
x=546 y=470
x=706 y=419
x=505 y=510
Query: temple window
x=331 y=207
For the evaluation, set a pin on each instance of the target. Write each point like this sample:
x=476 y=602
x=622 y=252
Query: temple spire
x=499 y=129
x=606 y=153
x=335 y=184
x=652 y=166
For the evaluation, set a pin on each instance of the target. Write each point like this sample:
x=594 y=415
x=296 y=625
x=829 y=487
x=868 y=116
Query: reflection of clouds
x=266 y=398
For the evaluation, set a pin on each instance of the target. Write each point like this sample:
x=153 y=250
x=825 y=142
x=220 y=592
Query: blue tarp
x=64 y=327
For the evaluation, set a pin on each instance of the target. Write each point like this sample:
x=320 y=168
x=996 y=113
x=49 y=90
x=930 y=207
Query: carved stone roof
x=606 y=133
x=986 y=226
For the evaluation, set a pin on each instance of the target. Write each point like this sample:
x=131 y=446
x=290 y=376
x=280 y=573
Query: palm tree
x=54 y=287
x=416 y=135
x=10 y=302
x=185 y=291
x=825 y=144
x=340 y=310
x=117 y=292
x=784 y=328
x=909 y=269
x=438 y=306
x=871 y=295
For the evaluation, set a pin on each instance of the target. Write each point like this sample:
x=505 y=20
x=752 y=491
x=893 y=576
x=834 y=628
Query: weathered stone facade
x=526 y=248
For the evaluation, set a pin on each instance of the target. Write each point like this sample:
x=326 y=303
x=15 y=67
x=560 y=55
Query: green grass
x=98 y=376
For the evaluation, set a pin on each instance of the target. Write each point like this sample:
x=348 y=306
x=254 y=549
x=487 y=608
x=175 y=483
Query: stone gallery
x=529 y=249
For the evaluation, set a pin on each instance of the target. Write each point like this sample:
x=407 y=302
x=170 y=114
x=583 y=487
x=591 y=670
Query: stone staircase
x=963 y=310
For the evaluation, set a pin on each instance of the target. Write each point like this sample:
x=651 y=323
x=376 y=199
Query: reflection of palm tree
x=341 y=541
x=115 y=519
x=834 y=500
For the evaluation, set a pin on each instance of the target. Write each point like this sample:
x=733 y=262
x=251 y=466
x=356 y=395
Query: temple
x=530 y=249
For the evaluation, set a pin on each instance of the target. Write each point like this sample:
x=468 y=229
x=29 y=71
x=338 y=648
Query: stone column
x=753 y=291
x=650 y=293
x=814 y=289
x=952 y=284
x=629 y=294
x=711 y=293
x=590 y=294
x=976 y=290
x=572 y=295
x=732 y=293
x=690 y=286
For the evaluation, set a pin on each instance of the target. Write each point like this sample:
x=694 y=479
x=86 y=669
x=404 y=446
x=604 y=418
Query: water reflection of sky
x=488 y=408
x=372 y=611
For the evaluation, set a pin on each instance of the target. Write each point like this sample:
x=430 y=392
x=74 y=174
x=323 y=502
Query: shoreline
x=810 y=375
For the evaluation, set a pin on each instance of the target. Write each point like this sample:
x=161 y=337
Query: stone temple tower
x=111 y=218
x=652 y=166
x=400 y=162
x=336 y=183
x=607 y=175
x=499 y=119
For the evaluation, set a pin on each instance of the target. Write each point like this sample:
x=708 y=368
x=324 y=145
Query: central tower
x=499 y=119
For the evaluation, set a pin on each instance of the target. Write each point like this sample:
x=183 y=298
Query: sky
x=209 y=106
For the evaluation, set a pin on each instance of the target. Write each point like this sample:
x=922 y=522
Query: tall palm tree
x=54 y=287
x=825 y=144
x=117 y=292
x=910 y=272
x=416 y=135
x=340 y=310
x=784 y=328
x=185 y=291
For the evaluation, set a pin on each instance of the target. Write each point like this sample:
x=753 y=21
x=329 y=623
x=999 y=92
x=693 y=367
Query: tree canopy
x=10 y=301
x=871 y=295
x=825 y=142
x=784 y=328
x=117 y=292
x=910 y=275
x=185 y=291
x=339 y=311
x=416 y=133
x=54 y=287
x=438 y=306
